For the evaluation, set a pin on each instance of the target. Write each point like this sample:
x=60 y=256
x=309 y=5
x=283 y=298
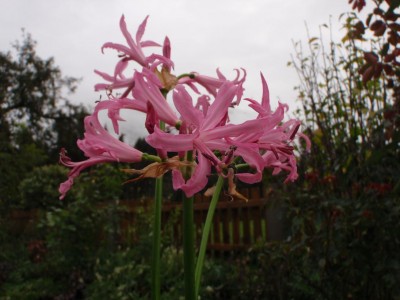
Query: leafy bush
x=101 y=183
x=125 y=274
x=57 y=261
x=40 y=188
x=338 y=249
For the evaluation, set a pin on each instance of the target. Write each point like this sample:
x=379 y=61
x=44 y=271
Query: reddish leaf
x=393 y=38
x=375 y=26
x=392 y=56
x=360 y=28
x=388 y=69
x=371 y=57
x=388 y=58
x=394 y=26
x=378 y=70
x=391 y=16
x=378 y=27
x=378 y=11
x=358 y=4
x=367 y=75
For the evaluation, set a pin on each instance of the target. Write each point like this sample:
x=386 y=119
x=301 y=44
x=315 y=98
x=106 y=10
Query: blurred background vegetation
x=342 y=237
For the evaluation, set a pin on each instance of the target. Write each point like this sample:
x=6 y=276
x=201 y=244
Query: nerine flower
x=212 y=84
x=132 y=52
x=264 y=142
x=275 y=142
x=147 y=91
x=206 y=134
x=100 y=147
x=204 y=129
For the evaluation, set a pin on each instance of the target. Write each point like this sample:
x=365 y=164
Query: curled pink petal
x=265 y=96
x=219 y=107
x=171 y=143
x=199 y=178
x=100 y=147
x=114 y=106
x=184 y=104
x=152 y=93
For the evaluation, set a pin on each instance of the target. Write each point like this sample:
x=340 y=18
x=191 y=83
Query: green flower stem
x=190 y=75
x=155 y=262
x=206 y=233
x=150 y=157
x=155 y=266
x=188 y=239
x=188 y=248
x=241 y=166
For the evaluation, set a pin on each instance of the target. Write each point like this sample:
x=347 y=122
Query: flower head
x=134 y=50
x=203 y=126
x=100 y=147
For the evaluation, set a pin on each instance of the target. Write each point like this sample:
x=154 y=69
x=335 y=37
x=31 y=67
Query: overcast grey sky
x=254 y=34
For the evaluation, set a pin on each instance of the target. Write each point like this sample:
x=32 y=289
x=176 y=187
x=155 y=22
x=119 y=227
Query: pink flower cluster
x=197 y=124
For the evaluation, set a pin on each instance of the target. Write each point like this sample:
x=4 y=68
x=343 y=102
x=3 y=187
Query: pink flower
x=115 y=82
x=167 y=49
x=100 y=147
x=146 y=90
x=113 y=107
x=264 y=142
x=212 y=84
x=275 y=141
x=134 y=50
x=206 y=133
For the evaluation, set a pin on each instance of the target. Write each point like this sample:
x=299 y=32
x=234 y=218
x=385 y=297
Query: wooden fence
x=236 y=226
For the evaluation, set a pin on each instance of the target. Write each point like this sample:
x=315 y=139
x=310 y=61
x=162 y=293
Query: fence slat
x=236 y=227
x=225 y=226
x=216 y=227
x=256 y=213
x=246 y=225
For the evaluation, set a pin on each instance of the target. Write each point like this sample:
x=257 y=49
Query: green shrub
x=40 y=187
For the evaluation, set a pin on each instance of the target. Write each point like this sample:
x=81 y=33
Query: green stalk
x=188 y=239
x=155 y=265
x=155 y=262
x=206 y=233
x=188 y=248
